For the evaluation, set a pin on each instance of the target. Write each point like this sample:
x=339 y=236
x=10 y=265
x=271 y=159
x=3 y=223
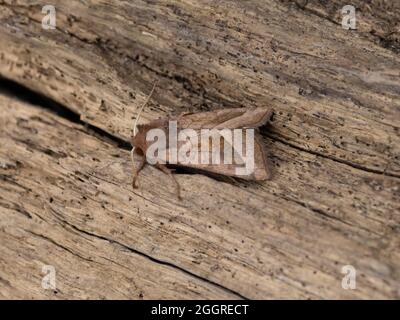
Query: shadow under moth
x=223 y=142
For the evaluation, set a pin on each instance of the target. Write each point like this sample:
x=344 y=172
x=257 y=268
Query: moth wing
x=259 y=170
x=250 y=118
x=262 y=167
x=231 y=118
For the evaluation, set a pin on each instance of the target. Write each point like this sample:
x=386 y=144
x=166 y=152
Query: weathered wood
x=43 y=207
x=60 y=184
x=377 y=20
x=334 y=142
x=326 y=88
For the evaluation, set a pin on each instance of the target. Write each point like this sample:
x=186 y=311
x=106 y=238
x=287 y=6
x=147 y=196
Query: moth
x=230 y=137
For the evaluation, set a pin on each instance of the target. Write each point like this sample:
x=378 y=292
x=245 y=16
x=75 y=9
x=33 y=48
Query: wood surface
x=68 y=104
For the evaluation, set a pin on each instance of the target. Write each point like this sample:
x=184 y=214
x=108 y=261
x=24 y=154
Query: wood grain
x=334 y=143
x=258 y=240
x=325 y=90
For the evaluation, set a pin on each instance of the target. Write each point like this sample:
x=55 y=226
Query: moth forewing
x=244 y=152
x=262 y=166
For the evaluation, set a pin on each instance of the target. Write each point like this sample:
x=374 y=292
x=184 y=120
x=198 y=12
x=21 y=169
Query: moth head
x=138 y=144
x=138 y=141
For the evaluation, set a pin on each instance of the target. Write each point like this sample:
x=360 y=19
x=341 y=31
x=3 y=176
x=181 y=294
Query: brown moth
x=196 y=124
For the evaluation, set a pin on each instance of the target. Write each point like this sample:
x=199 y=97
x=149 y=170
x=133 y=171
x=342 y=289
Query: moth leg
x=137 y=170
x=163 y=168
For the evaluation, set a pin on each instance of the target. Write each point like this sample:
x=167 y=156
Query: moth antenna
x=142 y=107
x=138 y=116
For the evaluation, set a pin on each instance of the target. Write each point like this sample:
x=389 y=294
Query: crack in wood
x=46 y=238
x=255 y=210
x=22 y=93
x=147 y=256
x=12 y=88
x=342 y=161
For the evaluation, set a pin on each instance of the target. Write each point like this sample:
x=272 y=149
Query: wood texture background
x=334 y=144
